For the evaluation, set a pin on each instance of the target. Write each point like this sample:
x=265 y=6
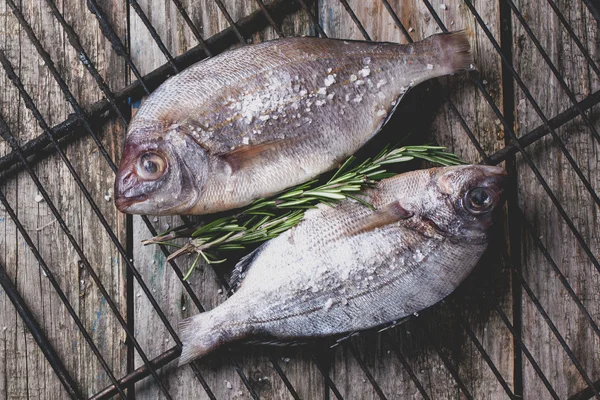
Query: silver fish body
x=350 y=268
x=256 y=120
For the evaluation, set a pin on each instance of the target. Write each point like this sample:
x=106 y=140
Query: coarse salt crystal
x=353 y=78
x=429 y=66
x=330 y=80
x=443 y=7
x=38 y=198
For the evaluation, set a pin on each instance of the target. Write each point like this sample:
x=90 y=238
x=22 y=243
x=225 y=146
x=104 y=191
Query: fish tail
x=199 y=336
x=454 y=50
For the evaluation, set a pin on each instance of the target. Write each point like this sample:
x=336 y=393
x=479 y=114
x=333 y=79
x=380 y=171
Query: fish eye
x=478 y=201
x=151 y=166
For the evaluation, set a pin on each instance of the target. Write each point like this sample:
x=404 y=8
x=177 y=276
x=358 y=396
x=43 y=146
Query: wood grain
x=28 y=374
x=549 y=225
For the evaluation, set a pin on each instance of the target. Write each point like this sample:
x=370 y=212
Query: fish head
x=160 y=173
x=462 y=198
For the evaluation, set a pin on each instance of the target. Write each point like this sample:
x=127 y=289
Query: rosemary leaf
x=265 y=219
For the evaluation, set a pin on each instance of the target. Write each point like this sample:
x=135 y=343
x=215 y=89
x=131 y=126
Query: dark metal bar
x=117 y=44
x=312 y=18
x=484 y=354
x=512 y=134
x=192 y=27
x=594 y=8
x=454 y=373
x=437 y=85
x=48 y=273
x=328 y=382
x=97 y=113
x=537 y=133
x=91 y=68
x=559 y=77
x=558 y=336
x=284 y=378
x=85 y=60
x=275 y=25
x=567 y=26
x=231 y=22
x=536 y=238
x=538 y=110
x=525 y=351
x=448 y=364
x=586 y=393
x=138 y=10
x=361 y=28
x=363 y=366
x=140 y=373
x=38 y=335
x=523 y=283
x=397 y=21
x=532 y=166
x=405 y=364
x=30 y=105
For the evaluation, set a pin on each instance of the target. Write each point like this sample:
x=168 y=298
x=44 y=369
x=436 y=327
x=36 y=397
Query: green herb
x=267 y=218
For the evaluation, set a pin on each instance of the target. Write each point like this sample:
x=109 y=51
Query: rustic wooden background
x=25 y=373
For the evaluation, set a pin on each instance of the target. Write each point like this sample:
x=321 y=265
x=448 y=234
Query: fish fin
x=455 y=50
x=390 y=213
x=198 y=336
x=245 y=156
x=239 y=271
x=391 y=113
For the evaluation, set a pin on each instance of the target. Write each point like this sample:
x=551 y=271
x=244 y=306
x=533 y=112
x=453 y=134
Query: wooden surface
x=428 y=342
x=24 y=370
x=578 y=204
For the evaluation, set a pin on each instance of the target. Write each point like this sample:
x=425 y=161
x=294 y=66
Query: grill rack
x=52 y=139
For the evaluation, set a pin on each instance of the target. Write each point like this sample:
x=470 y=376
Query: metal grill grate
x=81 y=122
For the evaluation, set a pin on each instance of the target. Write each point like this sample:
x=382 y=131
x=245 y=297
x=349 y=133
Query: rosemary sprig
x=267 y=218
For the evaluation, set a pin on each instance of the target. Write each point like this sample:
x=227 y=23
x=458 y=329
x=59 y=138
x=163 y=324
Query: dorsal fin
x=239 y=271
x=388 y=214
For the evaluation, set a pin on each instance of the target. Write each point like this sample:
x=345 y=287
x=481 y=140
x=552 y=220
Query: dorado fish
x=351 y=267
x=258 y=119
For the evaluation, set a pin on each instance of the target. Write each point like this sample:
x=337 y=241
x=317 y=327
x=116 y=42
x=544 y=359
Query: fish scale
x=350 y=267
x=261 y=118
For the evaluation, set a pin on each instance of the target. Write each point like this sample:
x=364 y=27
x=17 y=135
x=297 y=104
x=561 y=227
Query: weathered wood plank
x=436 y=122
x=577 y=202
x=30 y=376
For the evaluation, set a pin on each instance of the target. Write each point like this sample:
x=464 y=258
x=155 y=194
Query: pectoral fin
x=390 y=213
x=246 y=156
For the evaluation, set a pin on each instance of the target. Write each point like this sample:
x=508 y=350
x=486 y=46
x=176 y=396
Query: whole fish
x=349 y=267
x=258 y=119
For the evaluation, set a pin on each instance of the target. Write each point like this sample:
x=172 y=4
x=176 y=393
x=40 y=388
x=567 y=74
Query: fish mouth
x=123 y=203
x=126 y=194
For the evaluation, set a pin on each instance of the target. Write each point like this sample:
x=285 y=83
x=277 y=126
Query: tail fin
x=200 y=336
x=455 y=50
